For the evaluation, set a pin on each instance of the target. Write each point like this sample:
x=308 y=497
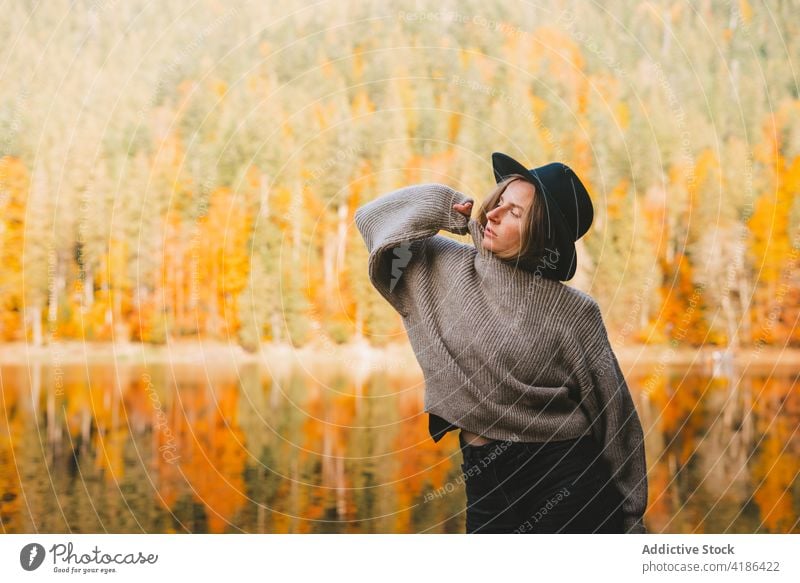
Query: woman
x=515 y=359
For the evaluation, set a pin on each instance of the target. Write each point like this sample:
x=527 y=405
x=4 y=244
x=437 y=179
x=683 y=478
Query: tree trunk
x=179 y=289
x=275 y=325
x=52 y=299
x=327 y=268
x=88 y=287
x=744 y=300
x=730 y=319
x=666 y=38
x=36 y=387
x=359 y=336
x=341 y=238
x=296 y=220
x=264 y=195
x=35 y=317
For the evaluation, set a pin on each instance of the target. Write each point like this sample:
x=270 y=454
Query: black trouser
x=532 y=487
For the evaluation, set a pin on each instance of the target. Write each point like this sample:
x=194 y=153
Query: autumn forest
x=162 y=180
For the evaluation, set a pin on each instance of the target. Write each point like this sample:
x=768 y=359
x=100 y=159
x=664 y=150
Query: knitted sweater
x=505 y=353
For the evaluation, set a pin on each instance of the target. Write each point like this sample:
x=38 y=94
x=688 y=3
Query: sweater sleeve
x=391 y=223
x=615 y=423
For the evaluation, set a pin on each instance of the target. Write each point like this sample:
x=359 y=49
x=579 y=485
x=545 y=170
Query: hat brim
x=565 y=268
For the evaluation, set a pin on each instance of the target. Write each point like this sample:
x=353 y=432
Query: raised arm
x=392 y=223
x=615 y=422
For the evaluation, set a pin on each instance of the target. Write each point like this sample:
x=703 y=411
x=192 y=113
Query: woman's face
x=503 y=230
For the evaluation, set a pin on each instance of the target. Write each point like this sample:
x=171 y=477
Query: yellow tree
x=682 y=317
x=771 y=248
x=775 y=464
x=14 y=184
x=224 y=260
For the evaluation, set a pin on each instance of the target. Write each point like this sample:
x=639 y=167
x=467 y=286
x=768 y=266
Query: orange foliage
x=203 y=275
x=423 y=471
x=776 y=463
x=12 y=501
x=211 y=454
x=14 y=185
x=325 y=436
x=771 y=250
x=682 y=314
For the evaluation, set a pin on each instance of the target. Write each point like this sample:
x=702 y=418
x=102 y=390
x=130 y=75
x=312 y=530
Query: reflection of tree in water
x=329 y=452
x=775 y=462
x=728 y=459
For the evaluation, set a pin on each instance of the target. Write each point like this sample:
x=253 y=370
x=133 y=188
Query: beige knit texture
x=505 y=353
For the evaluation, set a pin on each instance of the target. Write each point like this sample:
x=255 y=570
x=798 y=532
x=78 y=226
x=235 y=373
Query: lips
x=488 y=231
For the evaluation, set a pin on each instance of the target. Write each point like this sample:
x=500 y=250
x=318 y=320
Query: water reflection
x=212 y=448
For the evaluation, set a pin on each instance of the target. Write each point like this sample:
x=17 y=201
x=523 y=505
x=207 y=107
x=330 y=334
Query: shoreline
x=392 y=356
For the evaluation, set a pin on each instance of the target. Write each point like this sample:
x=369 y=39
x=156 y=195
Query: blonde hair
x=533 y=240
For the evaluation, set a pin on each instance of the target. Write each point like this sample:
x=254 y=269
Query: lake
x=209 y=446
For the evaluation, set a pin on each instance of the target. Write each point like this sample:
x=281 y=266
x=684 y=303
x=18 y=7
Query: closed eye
x=514 y=211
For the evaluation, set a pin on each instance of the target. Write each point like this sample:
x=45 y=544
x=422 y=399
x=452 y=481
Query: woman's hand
x=465 y=208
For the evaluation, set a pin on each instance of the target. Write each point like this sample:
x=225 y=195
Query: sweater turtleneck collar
x=476 y=232
x=503 y=265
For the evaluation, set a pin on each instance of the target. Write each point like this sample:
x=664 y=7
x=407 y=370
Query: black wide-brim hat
x=569 y=209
